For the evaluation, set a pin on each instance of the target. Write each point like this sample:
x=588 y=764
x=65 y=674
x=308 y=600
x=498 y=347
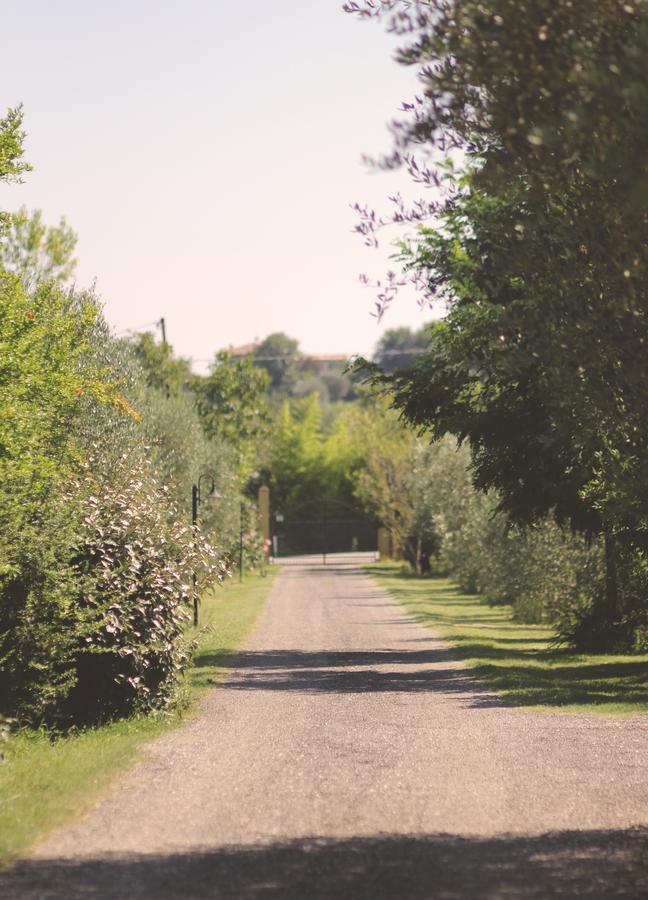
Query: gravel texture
x=349 y=755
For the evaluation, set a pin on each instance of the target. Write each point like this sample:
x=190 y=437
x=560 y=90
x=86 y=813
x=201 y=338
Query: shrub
x=542 y=571
x=94 y=625
x=593 y=627
x=182 y=452
x=38 y=616
x=97 y=562
x=137 y=560
x=46 y=377
x=546 y=573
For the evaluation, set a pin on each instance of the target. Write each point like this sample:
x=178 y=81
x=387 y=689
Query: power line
x=409 y=352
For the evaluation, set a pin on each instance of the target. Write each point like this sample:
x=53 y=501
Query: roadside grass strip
x=515 y=658
x=46 y=782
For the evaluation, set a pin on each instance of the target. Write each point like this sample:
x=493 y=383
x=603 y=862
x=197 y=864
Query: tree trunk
x=612 y=598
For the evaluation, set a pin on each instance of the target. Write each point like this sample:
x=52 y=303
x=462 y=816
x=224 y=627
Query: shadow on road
x=337 y=659
x=502 y=656
x=356 y=671
x=599 y=864
x=526 y=665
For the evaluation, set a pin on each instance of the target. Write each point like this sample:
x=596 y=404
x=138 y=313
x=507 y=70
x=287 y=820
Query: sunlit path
x=349 y=755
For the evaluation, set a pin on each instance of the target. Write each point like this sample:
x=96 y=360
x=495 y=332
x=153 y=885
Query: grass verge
x=515 y=658
x=45 y=782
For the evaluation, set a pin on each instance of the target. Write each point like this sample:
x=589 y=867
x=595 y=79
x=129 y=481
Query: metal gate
x=323 y=527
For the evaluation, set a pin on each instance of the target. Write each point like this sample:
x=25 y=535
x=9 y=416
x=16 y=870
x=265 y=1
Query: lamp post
x=195 y=503
x=278 y=517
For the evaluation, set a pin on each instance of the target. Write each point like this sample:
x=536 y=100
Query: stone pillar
x=264 y=511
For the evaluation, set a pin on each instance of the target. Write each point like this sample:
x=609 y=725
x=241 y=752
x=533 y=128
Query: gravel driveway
x=348 y=755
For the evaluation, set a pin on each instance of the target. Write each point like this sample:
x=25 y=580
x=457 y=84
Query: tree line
x=101 y=442
x=530 y=127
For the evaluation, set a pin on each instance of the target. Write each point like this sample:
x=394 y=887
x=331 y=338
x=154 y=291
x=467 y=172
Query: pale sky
x=206 y=152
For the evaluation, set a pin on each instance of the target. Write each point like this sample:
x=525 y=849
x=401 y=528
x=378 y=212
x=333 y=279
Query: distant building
x=243 y=350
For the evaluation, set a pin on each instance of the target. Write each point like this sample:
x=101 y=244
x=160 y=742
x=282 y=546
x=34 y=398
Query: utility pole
x=162 y=326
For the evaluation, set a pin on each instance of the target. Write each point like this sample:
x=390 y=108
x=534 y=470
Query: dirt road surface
x=348 y=755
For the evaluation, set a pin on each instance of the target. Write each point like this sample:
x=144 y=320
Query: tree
x=12 y=164
x=45 y=375
x=12 y=136
x=279 y=355
x=49 y=379
x=164 y=371
x=231 y=402
x=538 y=254
x=484 y=379
x=338 y=386
x=296 y=457
x=311 y=384
x=392 y=481
x=97 y=564
x=37 y=252
x=398 y=347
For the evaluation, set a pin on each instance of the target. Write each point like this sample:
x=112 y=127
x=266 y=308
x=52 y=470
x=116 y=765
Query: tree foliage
x=12 y=162
x=297 y=458
x=37 y=252
x=547 y=573
x=537 y=251
x=164 y=371
x=313 y=463
x=97 y=561
x=45 y=377
x=12 y=136
x=232 y=405
x=399 y=347
x=280 y=356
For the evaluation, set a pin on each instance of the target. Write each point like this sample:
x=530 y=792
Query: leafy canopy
x=231 y=402
x=37 y=252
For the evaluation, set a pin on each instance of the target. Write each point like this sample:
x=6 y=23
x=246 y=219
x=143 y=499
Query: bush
x=137 y=560
x=98 y=560
x=594 y=626
x=183 y=452
x=38 y=619
x=544 y=572
x=46 y=377
x=446 y=525
x=93 y=625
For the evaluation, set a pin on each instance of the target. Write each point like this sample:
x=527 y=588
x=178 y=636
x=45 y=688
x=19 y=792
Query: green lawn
x=45 y=783
x=518 y=659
